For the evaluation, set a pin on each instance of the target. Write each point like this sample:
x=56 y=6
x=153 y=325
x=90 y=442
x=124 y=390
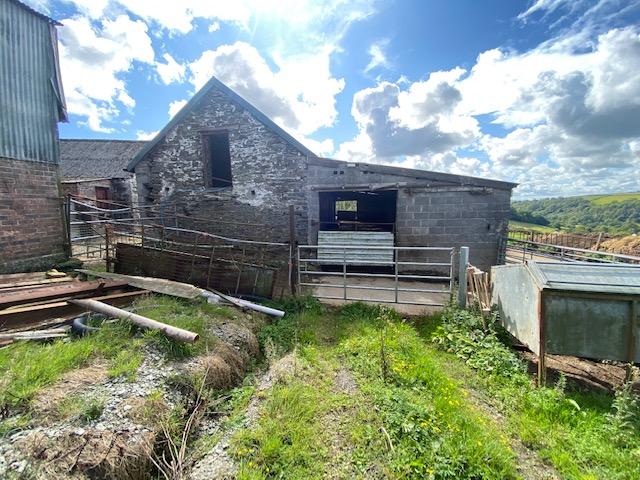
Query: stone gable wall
x=268 y=174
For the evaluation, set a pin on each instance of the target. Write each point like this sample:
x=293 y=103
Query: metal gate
x=404 y=275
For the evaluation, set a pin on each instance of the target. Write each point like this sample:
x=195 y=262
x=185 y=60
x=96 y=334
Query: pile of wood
x=479 y=288
x=40 y=305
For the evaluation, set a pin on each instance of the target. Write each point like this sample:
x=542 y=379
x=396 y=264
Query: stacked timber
x=35 y=306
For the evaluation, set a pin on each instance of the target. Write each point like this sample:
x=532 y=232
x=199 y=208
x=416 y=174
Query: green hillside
x=615 y=213
x=614 y=197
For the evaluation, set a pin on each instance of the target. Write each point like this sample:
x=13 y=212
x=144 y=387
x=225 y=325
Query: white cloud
x=568 y=112
x=299 y=94
x=142 y=135
x=378 y=56
x=214 y=27
x=93 y=60
x=175 y=106
x=171 y=71
x=286 y=15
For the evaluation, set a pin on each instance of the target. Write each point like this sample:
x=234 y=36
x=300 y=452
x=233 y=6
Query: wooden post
x=631 y=345
x=462 y=276
x=66 y=217
x=108 y=233
x=213 y=251
x=542 y=348
x=292 y=251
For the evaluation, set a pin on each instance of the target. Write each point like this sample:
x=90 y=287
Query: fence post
x=292 y=250
x=66 y=215
x=462 y=276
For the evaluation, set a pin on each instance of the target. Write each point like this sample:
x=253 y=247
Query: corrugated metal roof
x=587 y=277
x=84 y=159
x=31 y=99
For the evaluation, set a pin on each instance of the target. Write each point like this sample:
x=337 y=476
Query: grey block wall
x=428 y=212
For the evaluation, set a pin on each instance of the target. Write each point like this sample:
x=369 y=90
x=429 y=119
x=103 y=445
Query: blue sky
x=542 y=92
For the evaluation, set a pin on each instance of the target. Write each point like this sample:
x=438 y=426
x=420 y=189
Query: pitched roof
x=214 y=83
x=415 y=173
x=84 y=159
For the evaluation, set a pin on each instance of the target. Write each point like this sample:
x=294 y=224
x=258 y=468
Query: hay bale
x=92 y=453
x=629 y=245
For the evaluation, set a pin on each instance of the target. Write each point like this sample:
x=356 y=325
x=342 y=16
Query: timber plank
x=24 y=316
x=51 y=292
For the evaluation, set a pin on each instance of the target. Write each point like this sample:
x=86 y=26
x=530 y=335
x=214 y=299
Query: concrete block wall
x=268 y=174
x=455 y=217
x=433 y=215
x=31 y=229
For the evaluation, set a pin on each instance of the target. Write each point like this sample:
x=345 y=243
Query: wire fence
x=152 y=241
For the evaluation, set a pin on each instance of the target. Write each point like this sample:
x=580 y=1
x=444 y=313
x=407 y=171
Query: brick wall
x=31 y=231
x=268 y=173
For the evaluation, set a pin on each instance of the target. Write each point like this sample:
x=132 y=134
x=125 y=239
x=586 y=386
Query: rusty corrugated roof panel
x=31 y=98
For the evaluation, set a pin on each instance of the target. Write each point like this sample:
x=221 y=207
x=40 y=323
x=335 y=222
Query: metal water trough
x=580 y=309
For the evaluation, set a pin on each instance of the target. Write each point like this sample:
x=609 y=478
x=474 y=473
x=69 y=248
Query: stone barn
x=32 y=103
x=220 y=158
x=95 y=169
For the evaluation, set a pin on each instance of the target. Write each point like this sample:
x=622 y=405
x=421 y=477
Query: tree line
x=580 y=215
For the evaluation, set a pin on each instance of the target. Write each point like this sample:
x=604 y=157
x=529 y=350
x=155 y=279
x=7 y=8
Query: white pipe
x=217 y=297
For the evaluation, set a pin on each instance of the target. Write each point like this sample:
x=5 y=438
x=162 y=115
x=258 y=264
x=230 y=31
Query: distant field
x=614 y=197
x=530 y=226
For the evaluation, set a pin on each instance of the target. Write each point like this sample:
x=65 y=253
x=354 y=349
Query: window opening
x=218 y=160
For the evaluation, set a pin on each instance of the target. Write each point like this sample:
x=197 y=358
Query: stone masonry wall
x=433 y=214
x=31 y=230
x=268 y=174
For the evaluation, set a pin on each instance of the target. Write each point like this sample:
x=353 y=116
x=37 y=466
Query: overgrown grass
x=434 y=430
x=406 y=420
x=81 y=407
x=286 y=443
x=514 y=224
x=583 y=434
x=27 y=367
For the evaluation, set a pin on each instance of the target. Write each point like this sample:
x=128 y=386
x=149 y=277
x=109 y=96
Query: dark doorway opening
x=217 y=160
x=364 y=211
x=102 y=197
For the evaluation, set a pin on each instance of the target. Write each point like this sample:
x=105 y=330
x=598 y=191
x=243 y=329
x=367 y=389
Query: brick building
x=95 y=169
x=32 y=103
x=221 y=158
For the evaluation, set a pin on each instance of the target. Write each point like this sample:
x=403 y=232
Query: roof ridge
x=101 y=140
x=193 y=101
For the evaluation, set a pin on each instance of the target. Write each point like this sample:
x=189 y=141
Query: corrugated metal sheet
x=28 y=102
x=355 y=239
x=588 y=310
x=587 y=277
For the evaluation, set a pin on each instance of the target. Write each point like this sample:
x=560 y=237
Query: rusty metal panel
x=28 y=97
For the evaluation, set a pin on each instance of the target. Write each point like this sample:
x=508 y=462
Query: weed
x=80 y=407
x=624 y=419
x=125 y=363
x=285 y=443
x=583 y=434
